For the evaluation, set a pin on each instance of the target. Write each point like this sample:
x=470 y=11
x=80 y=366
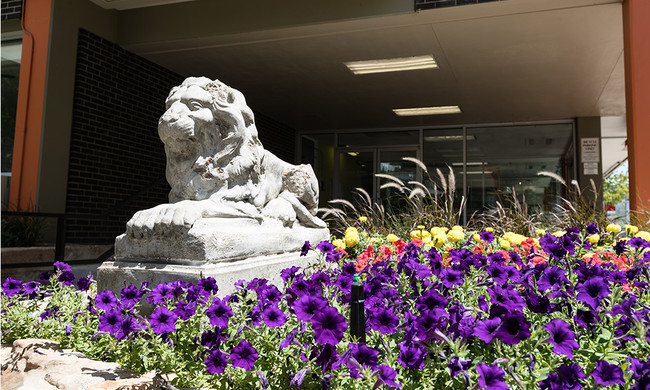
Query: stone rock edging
x=42 y=364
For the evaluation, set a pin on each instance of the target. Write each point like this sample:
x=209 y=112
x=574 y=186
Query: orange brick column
x=29 y=111
x=636 y=32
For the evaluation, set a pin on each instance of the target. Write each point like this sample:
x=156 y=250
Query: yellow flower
x=339 y=244
x=351 y=237
x=363 y=219
x=420 y=227
x=376 y=240
x=613 y=228
x=644 y=235
x=421 y=234
x=489 y=229
x=455 y=235
x=505 y=244
x=392 y=238
x=631 y=229
x=476 y=236
x=437 y=230
x=540 y=232
x=514 y=238
x=459 y=228
x=559 y=233
x=439 y=239
x=594 y=238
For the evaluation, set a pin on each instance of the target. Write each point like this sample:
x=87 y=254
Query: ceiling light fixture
x=447 y=138
x=427 y=110
x=392 y=65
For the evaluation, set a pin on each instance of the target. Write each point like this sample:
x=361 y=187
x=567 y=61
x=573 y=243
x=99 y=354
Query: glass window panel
x=505 y=160
x=356 y=170
x=318 y=150
x=442 y=153
x=11 y=51
x=379 y=138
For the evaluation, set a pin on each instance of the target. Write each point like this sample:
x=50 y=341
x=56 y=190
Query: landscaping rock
x=43 y=364
x=36 y=364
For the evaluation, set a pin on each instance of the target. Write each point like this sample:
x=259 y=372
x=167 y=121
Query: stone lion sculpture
x=217 y=166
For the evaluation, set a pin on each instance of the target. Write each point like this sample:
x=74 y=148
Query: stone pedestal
x=112 y=275
x=212 y=240
x=227 y=249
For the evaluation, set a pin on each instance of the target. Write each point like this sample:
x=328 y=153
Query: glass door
x=357 y=167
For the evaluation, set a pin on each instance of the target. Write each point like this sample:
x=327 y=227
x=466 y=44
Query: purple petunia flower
x=514 y=328
x=83 y=284
x=383 y=320
x=325 y=247
x=329 y=326
x=364 y=355
x=161 y=293
x=105 y=300
x=185 y=310
x=562 y=338
x=619 y=248
x=638 y=242
x=486 y=329
x=327 y=357
x=163 y=320
x=457 y=365
x=49 y=312
x=288 y=273
x=305 y=249
x=110 y=321
x=508 y=297
x=130 y=296
x=209 y=285
x=387 y=375
x=299 y=377
x=411 y=356
x=592 y=291
x=491 y=377
x=31 y=289
x=273 y=316
x=592 y=228
x=127 y=326
x=216 y=362
x=429 y=300
x=450 y=277
x=219 y=313
x=308 y=305
x=12 y=286
x=61 y=266
x=552 y=279
x=244 y=355
x=487 y=236
x=66 y=278
x=606 y=374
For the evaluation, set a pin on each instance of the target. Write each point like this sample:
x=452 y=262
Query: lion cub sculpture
x=217 y=167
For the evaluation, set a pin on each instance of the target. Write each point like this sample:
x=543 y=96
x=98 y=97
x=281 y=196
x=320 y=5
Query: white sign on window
x=590 y=150
x=590 y=168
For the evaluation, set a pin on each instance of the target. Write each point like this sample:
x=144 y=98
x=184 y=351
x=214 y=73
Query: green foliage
x=21 y=231
x=616 y=188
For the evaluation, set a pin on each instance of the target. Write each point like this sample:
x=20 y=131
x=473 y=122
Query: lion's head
x=210 y=139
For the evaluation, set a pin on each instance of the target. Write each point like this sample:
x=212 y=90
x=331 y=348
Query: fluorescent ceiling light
x=392 y=65
x=476 y=172
x=427 y=110
x=469 y=164
x=447 y=138
x=353 y=154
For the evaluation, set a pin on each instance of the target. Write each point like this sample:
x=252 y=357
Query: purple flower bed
x=555 y=314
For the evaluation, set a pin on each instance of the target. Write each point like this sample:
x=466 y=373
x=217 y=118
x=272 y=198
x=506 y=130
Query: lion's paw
x=162 y=220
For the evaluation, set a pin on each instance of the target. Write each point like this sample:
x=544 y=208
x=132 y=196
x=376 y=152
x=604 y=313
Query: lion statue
x=217 y=166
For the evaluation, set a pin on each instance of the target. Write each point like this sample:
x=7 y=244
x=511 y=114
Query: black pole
x=357 y=311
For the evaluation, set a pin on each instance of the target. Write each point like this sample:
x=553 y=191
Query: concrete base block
x=214 y=240
x=113 y=275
